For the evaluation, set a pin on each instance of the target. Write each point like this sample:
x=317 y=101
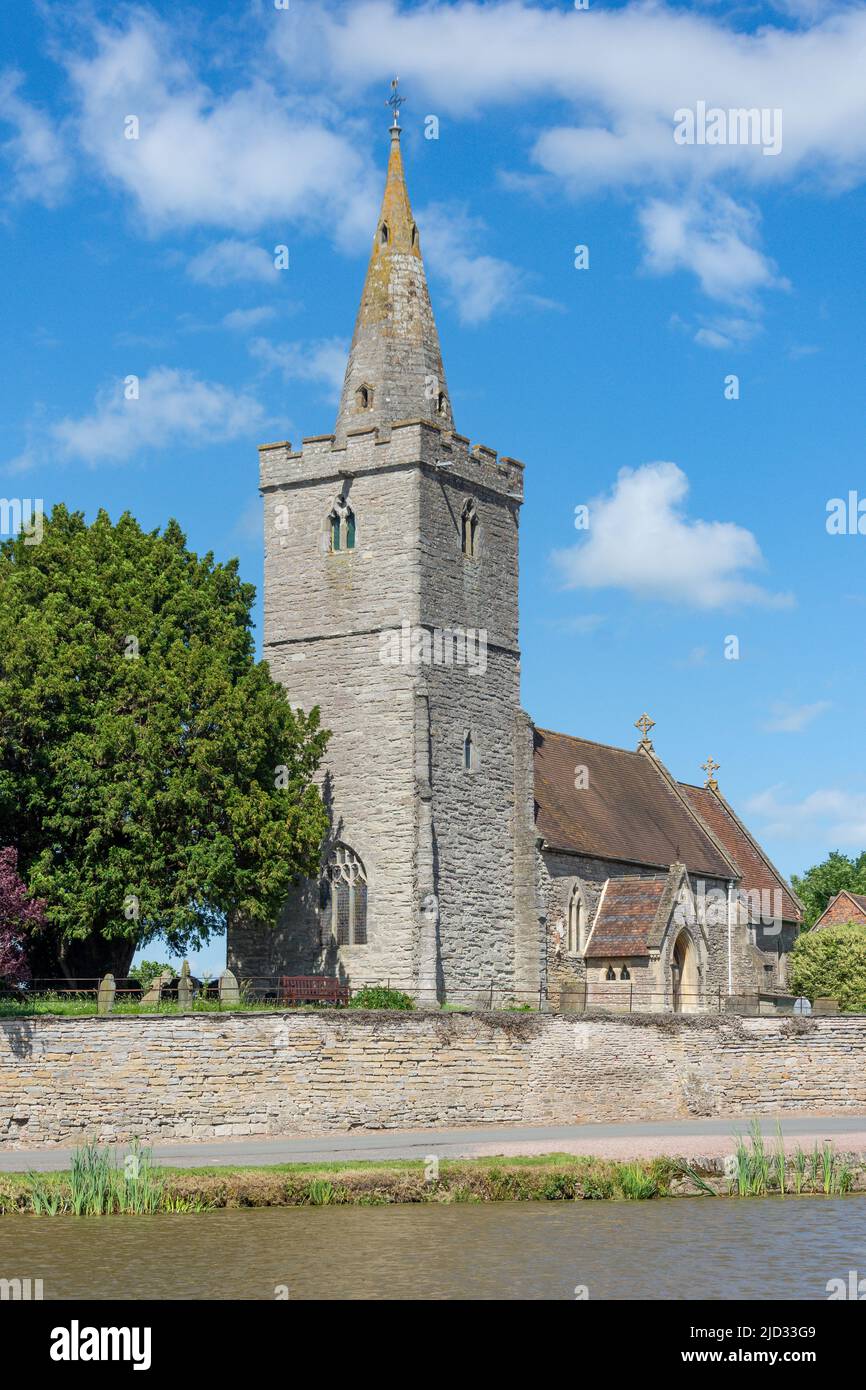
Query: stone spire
x=395 y=367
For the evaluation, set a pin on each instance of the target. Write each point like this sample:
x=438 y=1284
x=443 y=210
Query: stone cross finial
x=645 y=724
x=395 y=102
x=711 y=768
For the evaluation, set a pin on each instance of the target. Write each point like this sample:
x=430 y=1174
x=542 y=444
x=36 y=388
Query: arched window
x=341 y=526
x=384 y=234
x=346 y=887
x=470 y=754
x=469 y=529
x=611 y=973
x=440 y=403
x=576 y=922
x=364 y=398
x=414 y=235
x=625 y=973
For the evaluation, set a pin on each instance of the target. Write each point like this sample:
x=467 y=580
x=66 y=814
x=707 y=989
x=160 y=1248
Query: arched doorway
x=684 y=975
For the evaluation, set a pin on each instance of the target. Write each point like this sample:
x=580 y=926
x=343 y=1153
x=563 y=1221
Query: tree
x=823 y=881
x=147 y=970
x=832 y=962
x=19 y=915
x=153 y=777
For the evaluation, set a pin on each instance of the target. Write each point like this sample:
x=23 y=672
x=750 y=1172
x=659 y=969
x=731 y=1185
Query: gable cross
x=645 y=724
x=711 y=768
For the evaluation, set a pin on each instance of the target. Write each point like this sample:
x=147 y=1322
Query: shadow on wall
x=19 y=1034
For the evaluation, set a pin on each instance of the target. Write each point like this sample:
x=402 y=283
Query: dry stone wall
x=168 y=1077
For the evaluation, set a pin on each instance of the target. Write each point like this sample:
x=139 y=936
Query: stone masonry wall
x=169 y=1077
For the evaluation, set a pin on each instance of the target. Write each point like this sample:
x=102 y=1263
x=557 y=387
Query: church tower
x=390 y=601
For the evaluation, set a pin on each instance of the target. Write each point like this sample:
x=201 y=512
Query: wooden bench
x=312 y=989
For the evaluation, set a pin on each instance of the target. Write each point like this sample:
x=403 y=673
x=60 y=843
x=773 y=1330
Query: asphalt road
x=620 y=1141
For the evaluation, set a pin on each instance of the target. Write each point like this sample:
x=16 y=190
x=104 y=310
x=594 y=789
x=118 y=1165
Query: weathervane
x=711 y=768
x=645 y=724
x=396 y=102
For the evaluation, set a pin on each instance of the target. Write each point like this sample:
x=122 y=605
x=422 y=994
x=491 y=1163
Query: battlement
x=371 y=449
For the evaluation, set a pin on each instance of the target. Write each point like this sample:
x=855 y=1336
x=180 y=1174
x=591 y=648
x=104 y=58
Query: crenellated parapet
x=408 y=443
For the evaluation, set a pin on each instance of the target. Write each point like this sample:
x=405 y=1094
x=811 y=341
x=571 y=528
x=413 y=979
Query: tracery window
x=346 y=883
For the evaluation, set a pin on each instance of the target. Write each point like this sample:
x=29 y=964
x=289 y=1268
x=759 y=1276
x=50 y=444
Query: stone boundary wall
x=167 y=1077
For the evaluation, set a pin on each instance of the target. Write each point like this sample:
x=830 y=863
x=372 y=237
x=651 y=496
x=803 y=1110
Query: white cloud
x=639 y=539
x=230 y=261
x=323 y=361
x=244 y=320
x=827 y=817
x=624 y=71
x=174 y=408
x=35 y=151
x=478 y=285
x=714 y=239
x=793 y=719
x=251 y=158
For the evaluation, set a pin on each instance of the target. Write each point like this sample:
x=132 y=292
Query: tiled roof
x=837 y=912
x=625 y=917
x=627 y=811
x=757 y=873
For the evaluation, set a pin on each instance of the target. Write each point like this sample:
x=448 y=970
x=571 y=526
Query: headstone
x=105 y=994
x=572 y=997
x=184 y=988
x=229 y=989
x=154 y=989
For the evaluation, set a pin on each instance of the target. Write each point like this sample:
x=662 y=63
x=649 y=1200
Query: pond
x=704 y=1248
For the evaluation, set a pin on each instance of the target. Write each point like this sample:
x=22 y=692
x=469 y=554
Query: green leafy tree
x=832 y=962
x=823 y=881
x=153 y=777
x=147 y=970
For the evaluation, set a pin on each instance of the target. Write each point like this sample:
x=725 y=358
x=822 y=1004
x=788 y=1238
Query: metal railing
x=259 y=990
x=577 y=997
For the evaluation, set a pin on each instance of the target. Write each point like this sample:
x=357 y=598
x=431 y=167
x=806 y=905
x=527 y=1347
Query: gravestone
x=184 y=988
x=823 y=1005
x=155 y=988
x=105 y=994
x=229 y=990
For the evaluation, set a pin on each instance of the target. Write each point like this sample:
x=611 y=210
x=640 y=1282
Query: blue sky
x=261 y=127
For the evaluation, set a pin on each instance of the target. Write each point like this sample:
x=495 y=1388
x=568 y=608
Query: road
x=687 y=1138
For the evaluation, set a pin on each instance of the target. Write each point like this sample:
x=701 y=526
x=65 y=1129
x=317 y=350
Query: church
x=472 y=858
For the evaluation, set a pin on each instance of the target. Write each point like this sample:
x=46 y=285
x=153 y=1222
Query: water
x=758 y=1248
